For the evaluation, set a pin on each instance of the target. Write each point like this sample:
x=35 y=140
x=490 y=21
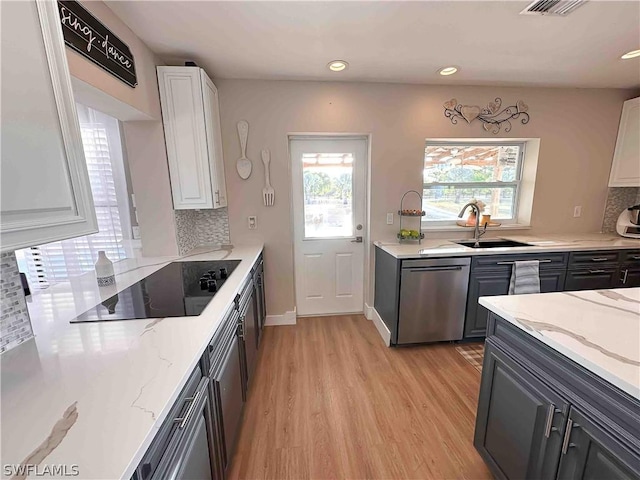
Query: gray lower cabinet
x=248 y=335
x=189 y=456
x=496 y=282
x=520 y=421
x=185 y=444
x=260 y=303
x=541 y=416
x=591 y=453
x=595 y=278
x=629 y=276
x=228 y=398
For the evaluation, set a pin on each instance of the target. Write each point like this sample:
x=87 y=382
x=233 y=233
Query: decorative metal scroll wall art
x=493 y=116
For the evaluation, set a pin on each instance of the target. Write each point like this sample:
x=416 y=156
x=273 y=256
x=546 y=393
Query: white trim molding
x=368 y=311
x=288 y=318
x=380 y=326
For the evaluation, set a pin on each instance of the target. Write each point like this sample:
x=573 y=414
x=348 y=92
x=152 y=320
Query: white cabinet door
x=214 y=140
x=625 y=171
x=45 y=190
x=191 y=121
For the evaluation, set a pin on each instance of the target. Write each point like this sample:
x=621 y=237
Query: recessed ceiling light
x=448 y=71
x=631 y=54
x=337 y=65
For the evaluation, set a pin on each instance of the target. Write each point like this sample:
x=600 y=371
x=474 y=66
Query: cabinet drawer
x=588 y=259
x=505 y=262
x=169 y=428
x=594 y=278
x=630 y=256
x=220 y=341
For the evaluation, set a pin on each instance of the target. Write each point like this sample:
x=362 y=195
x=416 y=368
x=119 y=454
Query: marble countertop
x=598 y=329
x=547 y=243
x=95 y=394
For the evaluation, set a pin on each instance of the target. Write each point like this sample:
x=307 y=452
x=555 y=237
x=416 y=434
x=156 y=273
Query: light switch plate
x=389 y=218
x=577 y=211
x=253 y=222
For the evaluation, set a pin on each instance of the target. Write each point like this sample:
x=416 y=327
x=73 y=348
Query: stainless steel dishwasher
x=433 y=298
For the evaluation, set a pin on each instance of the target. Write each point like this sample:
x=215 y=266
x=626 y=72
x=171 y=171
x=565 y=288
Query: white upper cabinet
x=625 y=171
x=191 y=117
x=45 y=191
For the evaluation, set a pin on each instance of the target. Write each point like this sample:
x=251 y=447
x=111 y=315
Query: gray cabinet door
x=589 y=452
x=629 y=276
x=520 y=420
x=591 y=279
x=480 y=285
x=250 y=336
x=189 y=455
x=259 y=301
x=483 y=284
x=228 y=391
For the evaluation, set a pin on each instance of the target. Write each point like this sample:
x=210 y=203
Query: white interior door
x=329 y=192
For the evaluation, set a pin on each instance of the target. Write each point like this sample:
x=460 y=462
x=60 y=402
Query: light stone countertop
x=105 y=386
x=434 y=248
x=597 y=329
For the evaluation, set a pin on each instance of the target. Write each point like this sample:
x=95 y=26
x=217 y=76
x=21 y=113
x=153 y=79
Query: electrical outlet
x=136 y=232
x=253 y=222
x=577 y=211
x=389 y=218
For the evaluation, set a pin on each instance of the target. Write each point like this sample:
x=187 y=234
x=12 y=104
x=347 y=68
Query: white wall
x=144 y=140
x=577 y=128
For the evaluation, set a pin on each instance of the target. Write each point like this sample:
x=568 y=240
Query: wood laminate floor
x=329 y=400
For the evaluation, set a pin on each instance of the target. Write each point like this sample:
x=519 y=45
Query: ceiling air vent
x=553 y=7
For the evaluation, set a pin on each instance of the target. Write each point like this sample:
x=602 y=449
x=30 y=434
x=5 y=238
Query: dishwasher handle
x=434 y=269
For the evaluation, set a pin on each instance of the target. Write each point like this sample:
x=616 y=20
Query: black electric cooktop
x=180 y=289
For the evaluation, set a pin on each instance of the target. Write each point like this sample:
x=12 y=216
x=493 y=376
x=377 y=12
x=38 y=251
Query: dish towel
x=525 y=277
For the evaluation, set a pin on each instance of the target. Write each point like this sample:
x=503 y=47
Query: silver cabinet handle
x=624 y=277
x=599 y=259
x=241 y=328
x=597 y=271
x=218 y=197
x=511 y=263
x=183 y=420
x=567 y=436
x=547 y=427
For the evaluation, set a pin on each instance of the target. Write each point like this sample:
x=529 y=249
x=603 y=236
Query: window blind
x=54 y=262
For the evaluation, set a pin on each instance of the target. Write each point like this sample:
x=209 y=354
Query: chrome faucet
x=476 y=230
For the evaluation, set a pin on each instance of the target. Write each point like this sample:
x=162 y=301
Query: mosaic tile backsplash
x=618 y=199
x=198 y=227
x=15 y=326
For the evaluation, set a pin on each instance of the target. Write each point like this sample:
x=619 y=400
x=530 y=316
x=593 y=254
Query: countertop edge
x=611 y=378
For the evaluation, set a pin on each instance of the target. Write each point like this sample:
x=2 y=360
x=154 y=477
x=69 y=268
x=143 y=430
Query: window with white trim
x=57 y=261
x=457 y=172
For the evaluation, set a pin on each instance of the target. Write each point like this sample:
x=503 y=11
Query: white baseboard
x=368 y=311
x=381 y=327
x=289 y=318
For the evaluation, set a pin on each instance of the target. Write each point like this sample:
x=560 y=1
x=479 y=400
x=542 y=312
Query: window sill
x=457 y=228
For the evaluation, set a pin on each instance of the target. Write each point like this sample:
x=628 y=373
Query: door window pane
x=328 y=194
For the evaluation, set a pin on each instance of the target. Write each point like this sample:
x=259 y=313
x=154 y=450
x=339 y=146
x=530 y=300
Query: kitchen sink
x=497 y=243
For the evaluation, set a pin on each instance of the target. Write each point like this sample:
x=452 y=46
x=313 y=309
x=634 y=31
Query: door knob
x=357 y=240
